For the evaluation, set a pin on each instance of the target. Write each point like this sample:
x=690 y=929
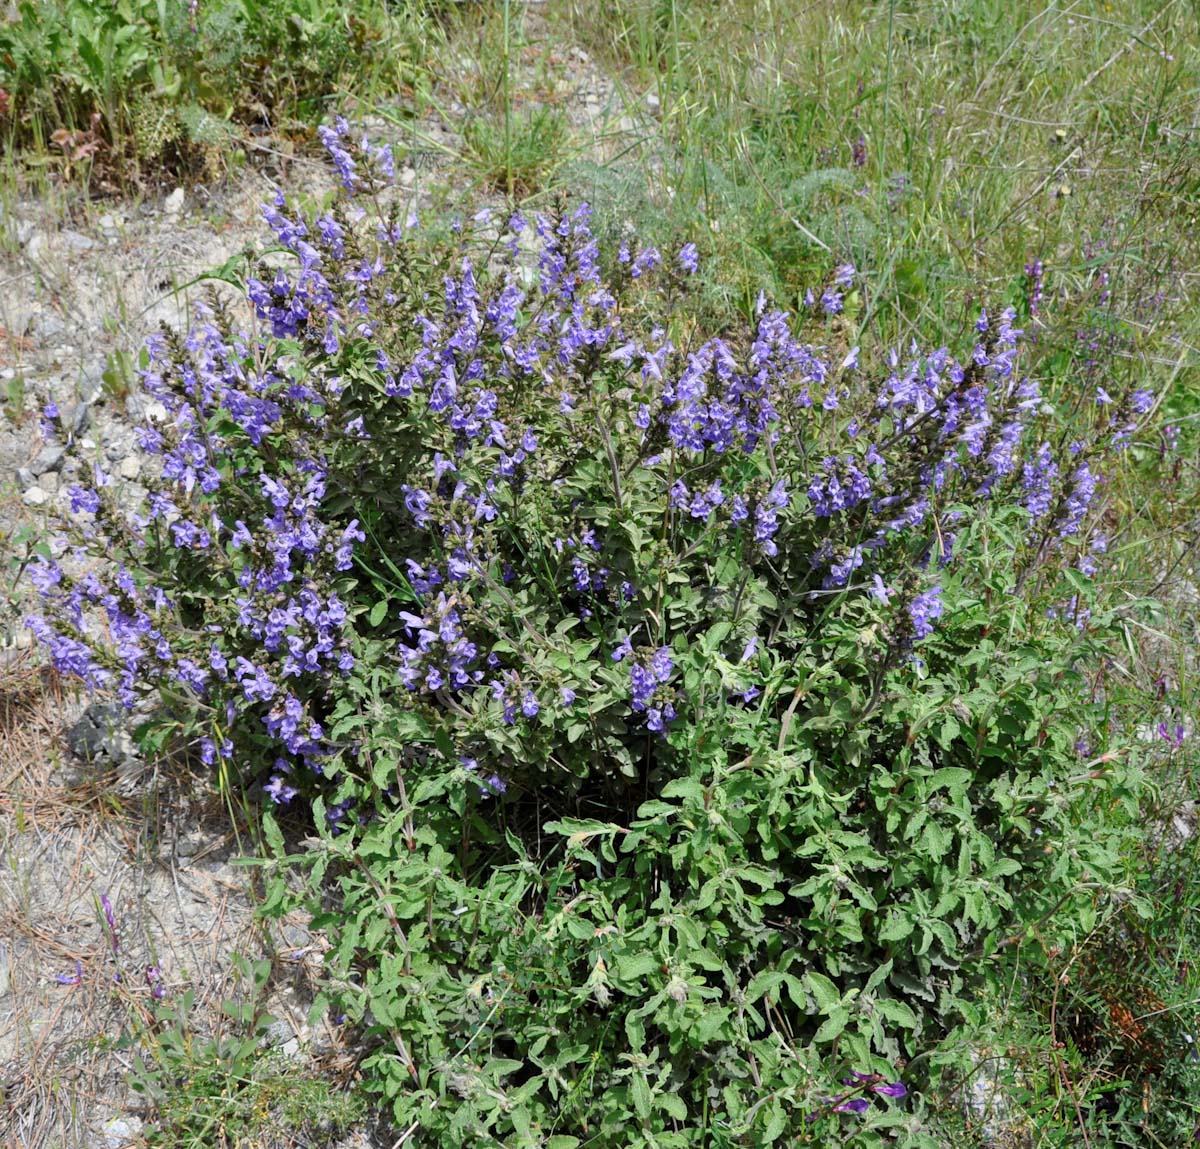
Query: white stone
x=173 y=204
x=122 y=1132
x=130 y=467
x=35 y=497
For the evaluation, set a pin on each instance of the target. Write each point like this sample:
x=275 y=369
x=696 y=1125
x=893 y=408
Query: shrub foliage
x=690 y=718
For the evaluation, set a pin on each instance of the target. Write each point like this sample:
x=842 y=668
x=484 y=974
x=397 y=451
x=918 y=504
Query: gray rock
x=76 y=242
x=35 y=497
x=121 y=1133
x=49 y=483
x=79 y=418
x=49 y=458
x=91 y=383
x=173 y=204
x=279 y=1033
x=47 y=325
x=130 y=467
x=103 y=733
x=25 y=478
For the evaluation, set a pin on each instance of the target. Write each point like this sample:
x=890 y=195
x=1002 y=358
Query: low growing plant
x=691 y=720
x=123 y=82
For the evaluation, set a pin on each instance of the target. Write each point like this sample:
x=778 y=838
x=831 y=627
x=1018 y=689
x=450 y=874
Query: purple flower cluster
x=541 y=458
x=648 y=681
x=441 y=657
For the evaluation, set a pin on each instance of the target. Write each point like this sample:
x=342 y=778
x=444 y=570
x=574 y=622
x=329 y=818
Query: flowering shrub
x=681 y=713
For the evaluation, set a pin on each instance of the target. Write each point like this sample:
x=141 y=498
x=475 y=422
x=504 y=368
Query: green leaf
x=639 y=1094
x=896 y=927
x=672 y=1105
x=635 y=967
x=776 y=1122
x=953 y=778
x=684 y=788
x=833 y=1025
x=764 y=982
x=879 y=976
x=825 y=992
x=897 y=1012
x=378 y=612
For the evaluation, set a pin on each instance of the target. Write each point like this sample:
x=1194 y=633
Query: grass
x=942 y=148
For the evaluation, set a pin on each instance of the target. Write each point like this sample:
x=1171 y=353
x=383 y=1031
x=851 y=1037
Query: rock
x=107 y=222
x=103 y=733
x=49 y=458
x=173 y=204
x=75 y=241
x=77 y=421
x=122 y=1133
x=47 y=325
x=35 y=497
x=91 y=382
x=49 y=483
x=130 y=468
x=989 y=1104
x=653 y=104
x=290 y=1048
x=25 y=478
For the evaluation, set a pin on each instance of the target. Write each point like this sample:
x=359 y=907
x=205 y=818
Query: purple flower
x=110 y=918
x=854 y=1105
x=1174 y=738
x=894 y=1089
x=688 y=258
x=924 y=609
x=71 y=979
x=278 y=790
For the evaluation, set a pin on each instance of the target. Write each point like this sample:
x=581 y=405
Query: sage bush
x=691 y=720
